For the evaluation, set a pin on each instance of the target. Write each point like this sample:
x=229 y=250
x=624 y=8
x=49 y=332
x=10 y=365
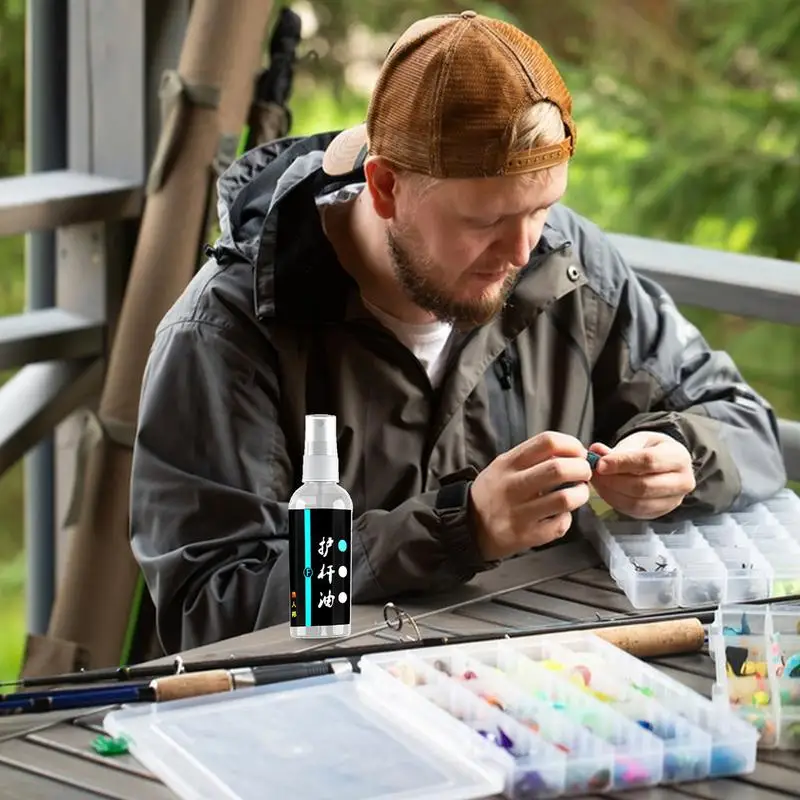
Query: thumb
x=600 y=448
x=616 y=459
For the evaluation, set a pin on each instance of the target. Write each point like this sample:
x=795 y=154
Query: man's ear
x=382 y=185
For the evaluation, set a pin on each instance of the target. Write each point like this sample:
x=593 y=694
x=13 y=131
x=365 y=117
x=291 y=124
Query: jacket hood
x=264 y=199
x=250 y=189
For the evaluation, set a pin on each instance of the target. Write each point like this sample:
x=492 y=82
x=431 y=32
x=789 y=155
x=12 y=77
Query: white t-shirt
x=429 y=342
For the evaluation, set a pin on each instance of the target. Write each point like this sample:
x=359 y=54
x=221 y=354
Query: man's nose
x=519 y=241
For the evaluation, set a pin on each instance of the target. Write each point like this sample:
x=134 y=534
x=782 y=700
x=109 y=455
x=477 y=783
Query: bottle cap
x=320 y=457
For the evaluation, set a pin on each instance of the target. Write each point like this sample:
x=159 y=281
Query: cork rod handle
x=175 y=687
x=654 y=639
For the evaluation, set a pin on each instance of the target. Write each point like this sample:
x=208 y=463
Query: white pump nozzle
x=320 y=458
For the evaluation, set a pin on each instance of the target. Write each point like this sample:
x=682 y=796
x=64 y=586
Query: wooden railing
x=93 y=72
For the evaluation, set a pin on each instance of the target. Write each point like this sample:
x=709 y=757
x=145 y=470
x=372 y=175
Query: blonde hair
x=539 y=126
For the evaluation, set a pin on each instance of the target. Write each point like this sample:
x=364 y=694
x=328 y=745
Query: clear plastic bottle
x=320 y=539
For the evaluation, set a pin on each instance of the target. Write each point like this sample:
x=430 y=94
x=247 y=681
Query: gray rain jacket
x=272 y=328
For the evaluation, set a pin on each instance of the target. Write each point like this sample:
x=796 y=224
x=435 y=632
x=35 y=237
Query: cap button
x=469 y=14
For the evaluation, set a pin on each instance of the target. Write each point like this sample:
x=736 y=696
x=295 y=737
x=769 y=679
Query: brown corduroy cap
x=447 y=100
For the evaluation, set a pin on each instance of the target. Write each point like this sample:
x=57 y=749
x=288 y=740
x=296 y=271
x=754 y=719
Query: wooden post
x=221 y=54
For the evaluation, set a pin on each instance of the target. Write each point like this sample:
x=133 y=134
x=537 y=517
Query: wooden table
x=56 y=761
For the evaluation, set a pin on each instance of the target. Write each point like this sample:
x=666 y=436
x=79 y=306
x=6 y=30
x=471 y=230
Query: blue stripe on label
x=307 y=523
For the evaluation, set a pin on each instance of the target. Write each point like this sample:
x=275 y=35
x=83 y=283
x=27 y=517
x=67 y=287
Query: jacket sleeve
x=211 y=479
x=655 y=371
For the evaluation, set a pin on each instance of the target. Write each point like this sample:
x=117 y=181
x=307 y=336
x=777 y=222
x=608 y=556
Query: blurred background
x=688 y=116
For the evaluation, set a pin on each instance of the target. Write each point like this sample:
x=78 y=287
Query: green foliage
x=719 y=109
x=323 y=109
x=703 y=98
x=12 y=300
x=12 y=275
x=12 y=79
x=12 y=616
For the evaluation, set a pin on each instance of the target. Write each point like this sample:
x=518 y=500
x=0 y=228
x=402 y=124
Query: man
x=419 y=278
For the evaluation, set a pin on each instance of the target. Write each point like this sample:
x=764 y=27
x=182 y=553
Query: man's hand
x=645 y=476
x=516 y=501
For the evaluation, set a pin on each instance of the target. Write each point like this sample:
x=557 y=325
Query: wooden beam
x=745 y=285
x=37 y=398
x=48 y=334
x=47 y=200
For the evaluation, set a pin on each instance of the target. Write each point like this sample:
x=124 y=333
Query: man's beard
x=413 y=276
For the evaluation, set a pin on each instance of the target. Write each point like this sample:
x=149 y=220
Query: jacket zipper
x=505 y=374
x=505 y=377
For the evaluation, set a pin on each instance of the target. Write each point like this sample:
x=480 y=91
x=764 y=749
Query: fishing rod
x=171 y=687
x=654 y=638
x=703 y=614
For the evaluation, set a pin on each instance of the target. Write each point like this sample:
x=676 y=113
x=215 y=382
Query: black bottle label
x=319 y=566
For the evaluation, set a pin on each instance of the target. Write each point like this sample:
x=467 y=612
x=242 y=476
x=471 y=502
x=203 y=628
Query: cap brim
x=346 y=152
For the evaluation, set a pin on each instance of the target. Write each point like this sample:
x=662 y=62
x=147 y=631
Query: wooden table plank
x=654 y=793
x=601 y=599
x=776 y=778
x=12 y=727
x=76 y=740
x=559 y=609
x=783 y=758
x=598 y=577
x=501 y=614
x=406 y=636
x=100 y=779
x=695 y=682
x=726 y=789
x=92 y=721
x=16 y=784
x=453 y=623
x=530 y=569
x=698 y=663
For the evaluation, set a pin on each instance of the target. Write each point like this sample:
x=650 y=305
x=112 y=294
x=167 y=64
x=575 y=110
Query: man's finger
x=651 y=508
x=646 y=461
x=549 y=506
x=546 y=445
x=549 y=476
x=653 y=486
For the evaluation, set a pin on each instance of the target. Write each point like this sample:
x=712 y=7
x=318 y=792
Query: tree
x=718 y=108
x=12 y=79
x=701 y=97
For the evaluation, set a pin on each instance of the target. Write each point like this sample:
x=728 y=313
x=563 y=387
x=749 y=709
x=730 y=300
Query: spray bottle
x=320 y=539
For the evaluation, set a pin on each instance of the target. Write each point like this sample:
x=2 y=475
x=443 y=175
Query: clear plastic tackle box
x=531 y=717
x=719 y=559
x=311 y=739
x=756 y=651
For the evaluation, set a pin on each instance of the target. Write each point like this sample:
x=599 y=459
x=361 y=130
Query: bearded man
x=419 y=278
